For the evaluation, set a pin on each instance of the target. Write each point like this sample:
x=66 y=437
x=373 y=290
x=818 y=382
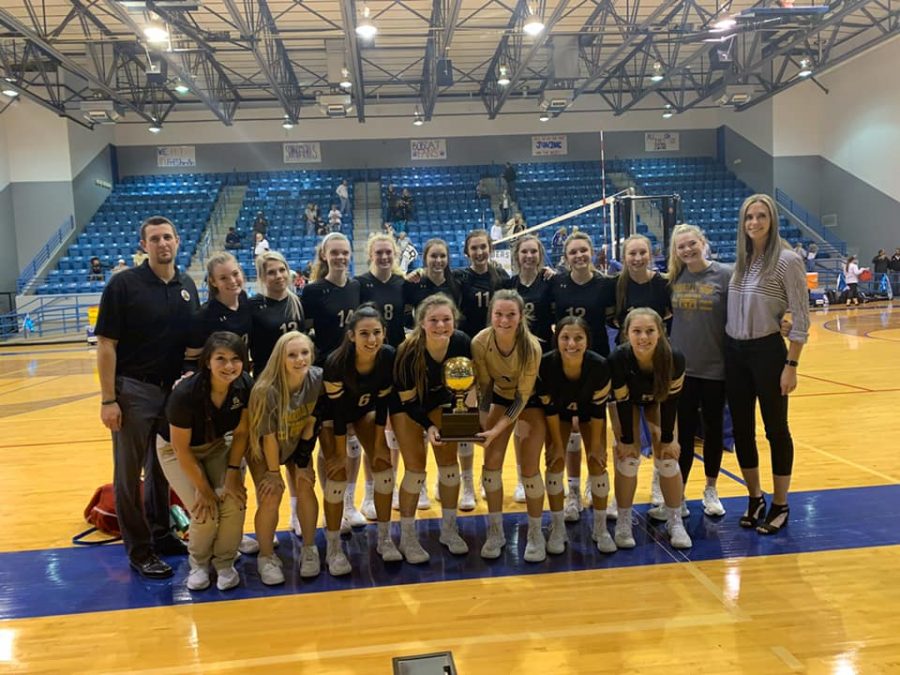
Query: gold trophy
x=458 y=421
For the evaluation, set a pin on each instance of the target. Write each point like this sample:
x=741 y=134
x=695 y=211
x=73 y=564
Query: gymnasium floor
x=820 y=597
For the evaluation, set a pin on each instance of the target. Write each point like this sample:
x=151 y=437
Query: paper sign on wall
x=549 y=145
x=173 y=156
x=302 y=153
x=662 y=141
x=428 y=148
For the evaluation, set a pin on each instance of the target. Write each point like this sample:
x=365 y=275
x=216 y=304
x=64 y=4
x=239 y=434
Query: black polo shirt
x=150 y=319
x=190 y=407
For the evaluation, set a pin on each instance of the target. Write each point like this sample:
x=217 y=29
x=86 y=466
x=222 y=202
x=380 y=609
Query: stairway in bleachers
x=224 y=215
x=367 y=218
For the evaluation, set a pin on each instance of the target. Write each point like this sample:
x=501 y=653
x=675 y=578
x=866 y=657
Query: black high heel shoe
x=756 y=508
x=776 y=519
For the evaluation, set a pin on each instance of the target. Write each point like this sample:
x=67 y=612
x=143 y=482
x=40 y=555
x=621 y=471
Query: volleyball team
x=370 y=391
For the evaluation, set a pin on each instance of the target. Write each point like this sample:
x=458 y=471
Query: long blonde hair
x=374 y=238
x=320 y=266
x=216 y=259
x=774 y=243
x=579 y=236
x=526 y=345
x=411 y=352
x=294 y=307
x=663 y=364
x=624 y=276
x=271 y=389
x=676 y=266
x=517 y=244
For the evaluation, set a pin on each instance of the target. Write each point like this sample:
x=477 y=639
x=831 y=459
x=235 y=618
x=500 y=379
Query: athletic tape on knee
x=465 y=449
x=334 y=491
x=383 y=481
x=555 y=483
x=413 y=482
x=391 y=439
x=534 y=486
x=492 y=480
x=574 y=444
x=668 y=468
x=448 y=475
x=599 y=485
x=353 y=447
x=629 y=466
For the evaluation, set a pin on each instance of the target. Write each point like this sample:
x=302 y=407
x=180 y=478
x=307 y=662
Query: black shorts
x=302 y=455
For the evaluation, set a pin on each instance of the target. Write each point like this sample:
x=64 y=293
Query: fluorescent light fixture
x=154 y=128
x=723 y=24
x=503 y=80
x=805 y=68
x=345 y=82
x=544 y=116
x=667 y=113
x=11 y=93
x=154 y=32
x=182 y=88
x=418 y=119
x=533 y=25
x=365 y=28
x=287 y=124
x=658 y=74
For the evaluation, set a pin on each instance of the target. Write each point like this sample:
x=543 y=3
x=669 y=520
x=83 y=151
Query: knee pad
x=465 y=449
x=555 y=483
x=599 y=485
x=492 y=480
x=628 y=466
x=667 y=468
x=353 y=447
x=534 y=486
x=391 y=439
x=522 y=429
x=574 y=444
x=383 y=481
x=448 y=475
x=413 y=481
x=334 y=491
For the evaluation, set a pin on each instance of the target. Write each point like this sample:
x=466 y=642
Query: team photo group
x=564 y=366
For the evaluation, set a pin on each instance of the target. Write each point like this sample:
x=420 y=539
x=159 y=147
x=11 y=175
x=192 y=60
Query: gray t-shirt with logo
x=301 y=407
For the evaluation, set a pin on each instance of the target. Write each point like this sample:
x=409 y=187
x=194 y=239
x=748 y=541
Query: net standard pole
x=603 y=185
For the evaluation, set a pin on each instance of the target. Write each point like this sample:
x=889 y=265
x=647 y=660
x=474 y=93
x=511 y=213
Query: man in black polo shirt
x=142 y=330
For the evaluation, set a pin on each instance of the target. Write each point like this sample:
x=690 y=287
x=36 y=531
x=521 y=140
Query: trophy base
x=460 y=426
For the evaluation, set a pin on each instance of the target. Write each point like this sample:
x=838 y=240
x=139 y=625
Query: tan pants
x=216 y=539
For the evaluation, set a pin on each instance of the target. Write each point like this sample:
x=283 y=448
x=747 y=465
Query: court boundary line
x=849 y=462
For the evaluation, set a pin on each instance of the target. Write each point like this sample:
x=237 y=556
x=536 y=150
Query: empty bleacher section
x=187 y=199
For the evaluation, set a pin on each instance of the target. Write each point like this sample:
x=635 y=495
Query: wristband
x=273 y=471
x=109 y=401
x=789 y=362
x=234 y=466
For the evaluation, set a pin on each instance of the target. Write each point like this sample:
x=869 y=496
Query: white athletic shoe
x=624 y=536
x=353 y=517
x=712 y=505
x=269 y=567
x=198 y=579
x=388 y=550
x=454 y=542
x=424 y=502
x=227 y=579
x=467 y=494
x=494 y=543
x=656 y=495
x=411 y=548
x=678 y=536
x=573 y=507
x=335 y=560
x=660 y=513
x=519 y=494
x=310 y=565
x=248 y=545
x=605 y=543
x=367 y=508
x=612 y=509
x=557 y=537
x=536 y=546
x=395 y=500
x=588 y=500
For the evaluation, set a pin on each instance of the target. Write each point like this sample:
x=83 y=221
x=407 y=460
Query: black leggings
x=706 y=397
x=853 y=292
x=753 y=371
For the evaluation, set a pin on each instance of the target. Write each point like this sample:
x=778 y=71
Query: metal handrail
x=57 y=239
x=810 y=220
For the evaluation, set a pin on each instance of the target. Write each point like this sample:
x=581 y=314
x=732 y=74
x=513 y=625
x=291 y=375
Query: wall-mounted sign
x=662 y=141
x=174 y=156
x=302 y=153
x=428 y=148
x=549 y=145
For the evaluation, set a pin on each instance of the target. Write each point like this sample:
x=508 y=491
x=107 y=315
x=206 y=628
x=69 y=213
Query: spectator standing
x=504 y=204
x=408 y=251
x=139 y=257
x=881 y=263
x=311 y=216
x=261 y=224
x=509 y=175
x=497 y=230
x=895 y=270
x=232 y=240
x=404 y=209
x=852 y=270
x=261 y=246
x=343 y=193
x=391 y=201
x=799 y=250
x=557 y=244
x=811 y=257
x=334 y=219
x=95 y=271
x=142 y=330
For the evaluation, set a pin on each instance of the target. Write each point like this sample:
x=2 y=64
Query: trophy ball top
x=459 y=373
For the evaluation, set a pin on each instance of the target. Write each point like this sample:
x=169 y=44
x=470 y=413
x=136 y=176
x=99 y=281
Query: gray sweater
x=699 y=302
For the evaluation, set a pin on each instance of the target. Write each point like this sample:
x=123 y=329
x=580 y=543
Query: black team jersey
x=655 y=294
x=584 y=397
x=436 y=393
x=633 y=387
x=476 y=291
x=538 y=306
x=351 y=398
x=270 y=319
x=214 y=316
x=329 y=307
x=590 y=301
x=389 y=298
x=417 y=292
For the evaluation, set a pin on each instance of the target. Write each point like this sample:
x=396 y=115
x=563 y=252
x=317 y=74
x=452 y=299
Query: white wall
x=4 y=154
x=37 y=144
x=86 y=144
x=797 y=119
x=755 y=124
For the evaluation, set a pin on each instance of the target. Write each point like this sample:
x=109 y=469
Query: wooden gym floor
x=819 y=597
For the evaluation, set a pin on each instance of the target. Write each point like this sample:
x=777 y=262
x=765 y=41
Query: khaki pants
x=217 y=539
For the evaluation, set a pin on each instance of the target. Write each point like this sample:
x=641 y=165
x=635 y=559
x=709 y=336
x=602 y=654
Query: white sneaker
x=656 y=495
x=660 y=514
x=367 y=508
x=612 y=509
x=310 y=566
x=557 y=539
x=335 y=560
x=270 y=570
x=536 y=546
x=519 y=494
x=454 y=542
x=494 y=543
x=605 y=543
x=624 y=536
x=411 y=548
x=198 y=579
x=424 y=502
x=572 y=507
x=295 y=525
x=227 y=579
x=248 y=545
x=467 y=494
x=712 y=505
x=588 y=500
x=678 y=536
x=388 y=550
x=353 y=517
x=395 y=500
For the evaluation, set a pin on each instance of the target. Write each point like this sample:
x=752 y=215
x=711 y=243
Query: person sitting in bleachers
x=334 y=219
x=120 y=266
x=95 y=273
x=232 y=239
x=404 y=210
x=139 y=257
x=392 y=200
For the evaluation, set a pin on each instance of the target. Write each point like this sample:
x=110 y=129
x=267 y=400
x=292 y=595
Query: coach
x=142 y=331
